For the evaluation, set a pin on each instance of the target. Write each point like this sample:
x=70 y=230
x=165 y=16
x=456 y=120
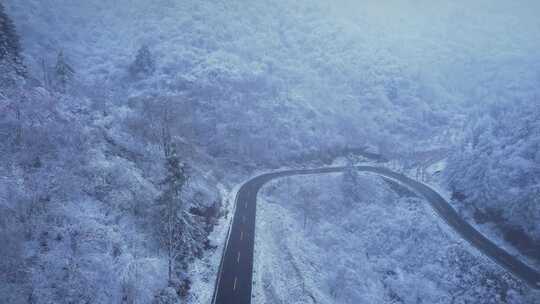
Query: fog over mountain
x=132 y=133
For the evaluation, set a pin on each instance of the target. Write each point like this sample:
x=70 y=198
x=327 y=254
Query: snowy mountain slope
x=240 y=85
x=312 y=247
x=304 y=64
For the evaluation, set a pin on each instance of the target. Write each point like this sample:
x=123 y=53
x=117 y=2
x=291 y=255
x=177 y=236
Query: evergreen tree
x=144 y=64
x=170 y=208
x=180 y=234
x=10 y=46
x=64 y=72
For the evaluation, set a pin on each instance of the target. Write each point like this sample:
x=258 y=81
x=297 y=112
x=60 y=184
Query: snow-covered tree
x=350 y=184
x=64 y=72
x=496 y=170
x=144 y=64
x=181 y=235
x=171 y=208
x=10 y=46
x=308 y=208
x=166 y=296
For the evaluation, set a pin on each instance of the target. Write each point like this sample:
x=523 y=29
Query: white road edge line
x=238 y=258
x=234 y=286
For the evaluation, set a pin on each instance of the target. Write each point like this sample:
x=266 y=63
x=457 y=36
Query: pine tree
x=10 y=46
x=170 y=208
x=64 y=72
x=144 y=64
x=180 y=233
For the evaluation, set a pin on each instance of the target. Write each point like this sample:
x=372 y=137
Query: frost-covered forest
x=338 y=250
x=126 y=126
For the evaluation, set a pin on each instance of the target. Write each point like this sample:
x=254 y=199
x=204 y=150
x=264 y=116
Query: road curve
x=234 y=279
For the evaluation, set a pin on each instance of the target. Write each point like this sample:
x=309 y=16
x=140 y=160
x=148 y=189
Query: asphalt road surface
x=234 y=279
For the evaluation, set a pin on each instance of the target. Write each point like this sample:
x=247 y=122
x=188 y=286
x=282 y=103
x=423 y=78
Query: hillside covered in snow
x=126 y=126
x=374 y=242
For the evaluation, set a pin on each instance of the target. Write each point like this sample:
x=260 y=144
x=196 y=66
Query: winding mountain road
x=234 y=279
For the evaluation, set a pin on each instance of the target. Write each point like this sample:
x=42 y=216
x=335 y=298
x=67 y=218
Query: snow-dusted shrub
x=144 y=64
x=166 y=296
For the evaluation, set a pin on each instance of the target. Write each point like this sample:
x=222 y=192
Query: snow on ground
x=432 y=178
x=203 y=271
x=490 y=230
x=312 y=248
